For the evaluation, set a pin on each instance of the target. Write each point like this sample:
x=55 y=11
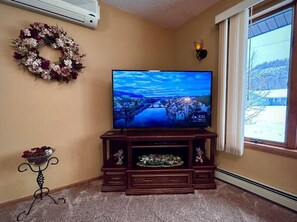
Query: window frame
x=289 y=147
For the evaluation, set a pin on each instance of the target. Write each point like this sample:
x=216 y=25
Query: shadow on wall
x=21 y=181
x=80 y=160
x=98 y=102
x=9 y=163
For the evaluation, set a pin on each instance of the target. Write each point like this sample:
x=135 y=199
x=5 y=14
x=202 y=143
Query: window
x=270 y=105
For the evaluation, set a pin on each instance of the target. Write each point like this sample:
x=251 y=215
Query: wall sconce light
x=200 y=53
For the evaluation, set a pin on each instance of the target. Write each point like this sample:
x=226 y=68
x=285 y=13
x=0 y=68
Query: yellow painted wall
x=69 y=117
x=274 y=170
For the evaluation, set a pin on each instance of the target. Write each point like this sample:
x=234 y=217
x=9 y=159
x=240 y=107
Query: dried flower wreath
x=39 y=35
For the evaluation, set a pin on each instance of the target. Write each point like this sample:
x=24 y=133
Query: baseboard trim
x=278 y=196
x=5 y=204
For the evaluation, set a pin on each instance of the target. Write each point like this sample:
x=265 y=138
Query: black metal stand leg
x=42 y=191
x=18 y=217
x=59 y=199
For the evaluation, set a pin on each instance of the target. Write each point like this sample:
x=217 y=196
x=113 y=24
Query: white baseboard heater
x=278 y=196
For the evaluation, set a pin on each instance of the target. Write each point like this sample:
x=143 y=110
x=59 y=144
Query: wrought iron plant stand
x=42 y=191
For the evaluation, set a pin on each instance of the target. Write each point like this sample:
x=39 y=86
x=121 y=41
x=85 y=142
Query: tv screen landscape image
x=161 y=99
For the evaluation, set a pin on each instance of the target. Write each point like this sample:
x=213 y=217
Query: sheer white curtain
x=222 y=83
x=231 y=82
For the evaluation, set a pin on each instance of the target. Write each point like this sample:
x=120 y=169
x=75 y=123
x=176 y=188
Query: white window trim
x=236 y=9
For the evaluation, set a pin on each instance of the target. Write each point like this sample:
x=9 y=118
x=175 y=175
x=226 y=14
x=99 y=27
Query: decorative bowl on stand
x=38 y=156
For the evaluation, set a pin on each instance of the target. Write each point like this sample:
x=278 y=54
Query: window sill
x=272 y=149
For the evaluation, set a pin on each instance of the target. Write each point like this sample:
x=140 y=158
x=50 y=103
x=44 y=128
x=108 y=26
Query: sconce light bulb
x=200 y=53
x=198 y=45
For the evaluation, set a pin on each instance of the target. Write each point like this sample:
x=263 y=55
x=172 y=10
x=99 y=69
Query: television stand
x=131 y=161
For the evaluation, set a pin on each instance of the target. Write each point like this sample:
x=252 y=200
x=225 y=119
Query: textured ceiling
x=167 y=13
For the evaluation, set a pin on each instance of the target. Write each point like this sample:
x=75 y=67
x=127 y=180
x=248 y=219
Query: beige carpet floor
x=86 y=203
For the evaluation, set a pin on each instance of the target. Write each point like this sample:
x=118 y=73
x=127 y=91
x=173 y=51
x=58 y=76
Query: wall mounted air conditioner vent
x=82 y=12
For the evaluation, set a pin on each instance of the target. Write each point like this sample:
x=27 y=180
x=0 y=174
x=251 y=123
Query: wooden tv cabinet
x=135 y=179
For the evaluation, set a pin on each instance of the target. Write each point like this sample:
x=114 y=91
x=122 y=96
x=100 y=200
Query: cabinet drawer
x=160 y=180
x=203 y=176
x=112 y=178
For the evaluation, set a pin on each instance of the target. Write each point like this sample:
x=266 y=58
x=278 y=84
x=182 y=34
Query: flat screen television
x=161 y=99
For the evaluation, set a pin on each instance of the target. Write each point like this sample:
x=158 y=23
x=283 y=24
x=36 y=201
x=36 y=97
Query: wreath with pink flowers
x=38 y=35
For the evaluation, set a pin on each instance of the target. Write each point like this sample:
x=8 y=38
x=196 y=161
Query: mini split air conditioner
x=82 y=12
